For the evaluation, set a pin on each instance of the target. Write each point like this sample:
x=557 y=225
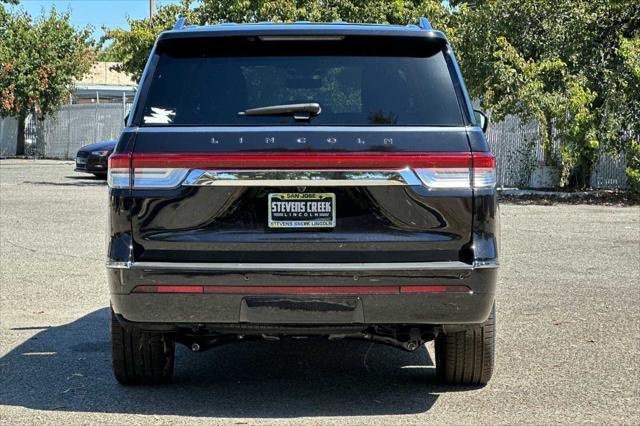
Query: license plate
x=302 y=210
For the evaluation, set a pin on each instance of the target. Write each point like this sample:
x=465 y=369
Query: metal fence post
x=96 y=125
x=66 y=151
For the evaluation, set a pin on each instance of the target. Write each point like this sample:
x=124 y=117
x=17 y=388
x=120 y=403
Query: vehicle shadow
x=76 y=181
x=89 y=177
x=68 y=368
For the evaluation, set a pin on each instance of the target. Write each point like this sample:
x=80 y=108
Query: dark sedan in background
x=93 y=158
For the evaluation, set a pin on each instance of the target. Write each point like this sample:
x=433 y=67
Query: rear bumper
x=347 y=307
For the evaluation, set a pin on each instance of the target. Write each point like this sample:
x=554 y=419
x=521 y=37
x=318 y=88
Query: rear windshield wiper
x=300 y=112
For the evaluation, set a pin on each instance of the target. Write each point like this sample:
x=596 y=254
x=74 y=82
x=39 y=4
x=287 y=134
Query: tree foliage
x=624 y=104
x=39 y=62
x=133 y=46
x=561 y=63
x=570 y=65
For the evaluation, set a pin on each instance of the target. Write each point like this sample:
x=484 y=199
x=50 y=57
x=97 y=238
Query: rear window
x=205 y=86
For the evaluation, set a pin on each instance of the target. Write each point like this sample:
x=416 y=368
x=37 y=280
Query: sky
x=97 y=13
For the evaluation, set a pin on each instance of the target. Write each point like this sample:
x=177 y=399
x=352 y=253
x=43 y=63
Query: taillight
x=476 y=170
x=124 y=173
x=484 y=170
x=166 y=178
x=119 y=171
x=442 y=178
x=435 y=170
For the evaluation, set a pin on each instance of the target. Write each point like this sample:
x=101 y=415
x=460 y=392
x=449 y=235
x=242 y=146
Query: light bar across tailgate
x=435 y=171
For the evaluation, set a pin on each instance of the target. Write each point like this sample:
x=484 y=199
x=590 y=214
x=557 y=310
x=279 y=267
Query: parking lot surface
x=568 y=330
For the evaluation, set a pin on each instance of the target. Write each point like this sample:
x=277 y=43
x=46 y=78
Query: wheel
x=100 y=175
x=141 y=357
x=467 y=357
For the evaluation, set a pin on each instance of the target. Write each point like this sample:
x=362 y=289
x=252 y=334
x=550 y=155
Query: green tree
x=624 y=104
x=558 y=62
x=106 y=54
x=132 y=47
x=39 y=61
x=567 y=64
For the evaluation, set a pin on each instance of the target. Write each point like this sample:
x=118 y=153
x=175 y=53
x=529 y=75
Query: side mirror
x=481 y=120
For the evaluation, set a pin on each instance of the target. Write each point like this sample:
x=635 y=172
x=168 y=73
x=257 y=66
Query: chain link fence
x=61 y=135
x=518 y=151
x=609 y=172
x=516 y=144
x=8 y=136
x=77 y=125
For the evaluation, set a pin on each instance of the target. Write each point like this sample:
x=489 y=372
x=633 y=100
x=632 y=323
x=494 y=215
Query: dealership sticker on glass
x=302 y=210
x=160 y=116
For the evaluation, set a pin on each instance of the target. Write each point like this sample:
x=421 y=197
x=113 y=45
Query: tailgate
x=394 y=205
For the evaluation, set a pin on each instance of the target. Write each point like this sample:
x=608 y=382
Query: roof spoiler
x=181 y=23
x=424 y=23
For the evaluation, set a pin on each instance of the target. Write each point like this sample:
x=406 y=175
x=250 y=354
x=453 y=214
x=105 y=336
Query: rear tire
x=467 y=357
x=141 y=357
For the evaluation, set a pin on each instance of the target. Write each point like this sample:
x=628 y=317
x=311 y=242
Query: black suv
x=302 y=179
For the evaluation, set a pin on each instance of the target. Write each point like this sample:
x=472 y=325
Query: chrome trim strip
x=485 y=264
x=301 y=178
x=305 y=129
x=394 y=266
x=118 y=265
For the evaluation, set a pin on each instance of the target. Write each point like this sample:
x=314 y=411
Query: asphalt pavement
x=568 y=330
